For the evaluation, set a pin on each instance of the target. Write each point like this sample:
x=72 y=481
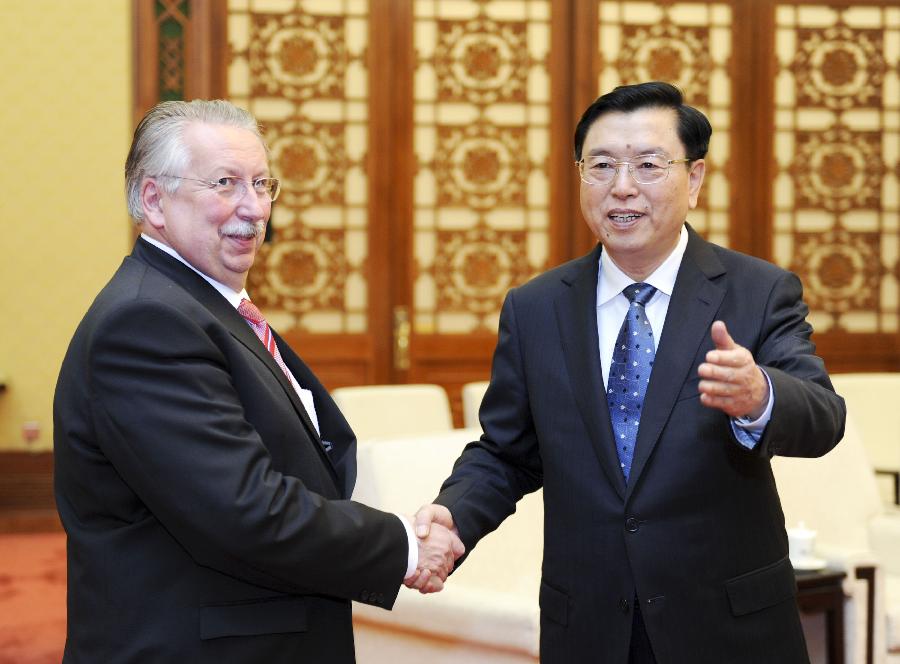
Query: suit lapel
x=692 y=309
x=201 y=290
x=576 y=315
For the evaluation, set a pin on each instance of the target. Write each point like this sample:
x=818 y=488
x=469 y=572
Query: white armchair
x=873 y=399
x=488 y=612
x=837 y=496
x=472 y=394
x=394 y=410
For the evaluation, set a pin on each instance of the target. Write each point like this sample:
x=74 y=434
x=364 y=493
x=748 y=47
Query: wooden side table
x=822 y=592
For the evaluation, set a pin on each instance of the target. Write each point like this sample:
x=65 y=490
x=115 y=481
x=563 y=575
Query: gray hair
x=158 y=145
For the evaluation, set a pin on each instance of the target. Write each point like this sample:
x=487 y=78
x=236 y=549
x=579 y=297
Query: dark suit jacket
x=205 y=521
x=697 y=534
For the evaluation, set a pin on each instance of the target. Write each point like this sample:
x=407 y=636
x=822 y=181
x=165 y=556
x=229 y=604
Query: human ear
x=152 y=203
x=695 y=181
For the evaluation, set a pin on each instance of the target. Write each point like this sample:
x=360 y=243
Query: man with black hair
x=645 y=387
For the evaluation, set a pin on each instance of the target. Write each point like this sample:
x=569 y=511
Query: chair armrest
x=894 y=474
x=847 y=560
x=884 y=535
x=501 y=620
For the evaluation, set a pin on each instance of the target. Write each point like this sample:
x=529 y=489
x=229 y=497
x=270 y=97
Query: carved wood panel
x=426 y=149
x=836 y=150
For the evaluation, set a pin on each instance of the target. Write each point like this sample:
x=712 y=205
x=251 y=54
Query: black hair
x=694 y=129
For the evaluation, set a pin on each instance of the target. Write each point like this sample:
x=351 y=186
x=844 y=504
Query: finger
x=716 y=372
x=423 y=577
x=720 y=336
x=737 y=358
x=715 y=388
x=458 y=547
x=435 y=585
x=726 y=404
x=451 y=561
x=410 y=582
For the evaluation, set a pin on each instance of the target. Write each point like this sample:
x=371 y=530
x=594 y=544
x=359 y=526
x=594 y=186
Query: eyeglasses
x=646 y=169
x=235 y=188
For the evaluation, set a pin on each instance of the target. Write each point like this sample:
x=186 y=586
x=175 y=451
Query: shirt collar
x=613 y=281
x=233 y=296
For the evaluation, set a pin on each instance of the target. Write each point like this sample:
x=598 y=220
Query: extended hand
x=730 y=379
x=439 y=548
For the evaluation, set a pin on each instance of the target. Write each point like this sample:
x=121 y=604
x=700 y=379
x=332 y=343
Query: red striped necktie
x=255 y=318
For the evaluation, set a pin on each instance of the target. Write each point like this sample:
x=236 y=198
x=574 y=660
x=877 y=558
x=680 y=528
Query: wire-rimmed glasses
x=645 y=169
x=235 y=188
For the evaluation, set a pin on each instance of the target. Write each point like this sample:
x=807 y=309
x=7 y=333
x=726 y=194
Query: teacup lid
x=801 y=531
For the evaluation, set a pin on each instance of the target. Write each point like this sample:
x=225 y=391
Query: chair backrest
x=401 y=474
x=874 y=401
x=472 y=394
x=835 y=495
x=394 y=410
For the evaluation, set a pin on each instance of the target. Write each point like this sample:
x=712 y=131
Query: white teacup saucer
x=810 y=564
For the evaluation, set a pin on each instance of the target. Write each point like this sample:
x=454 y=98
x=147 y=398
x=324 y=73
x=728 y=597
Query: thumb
x=720 y=336
x=429 y=514
x=424 y=518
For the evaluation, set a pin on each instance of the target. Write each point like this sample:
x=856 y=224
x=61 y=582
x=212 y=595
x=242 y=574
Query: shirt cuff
x=412 y=558
x=748 y=432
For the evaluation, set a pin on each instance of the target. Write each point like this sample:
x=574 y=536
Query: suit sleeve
x=493 y=473
x=171 y=421
x=807 y=417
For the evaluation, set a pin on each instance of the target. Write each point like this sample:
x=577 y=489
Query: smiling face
x=216 y=234
x=639 y=224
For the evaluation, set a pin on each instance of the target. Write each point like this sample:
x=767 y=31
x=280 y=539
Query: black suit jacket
x=205 y=521
x=697 y=534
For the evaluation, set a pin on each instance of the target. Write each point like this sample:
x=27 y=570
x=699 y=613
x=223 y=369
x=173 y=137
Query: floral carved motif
x=667 y=52
x=297 y=56
x=481 y=165
x=841 y=270
x=474 y=268
x=482 y=61
x=304 y=270
x=311 y=159
x=839 y=67
x=838 y=169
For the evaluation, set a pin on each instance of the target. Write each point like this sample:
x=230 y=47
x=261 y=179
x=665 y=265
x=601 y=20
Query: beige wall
x=65 y=84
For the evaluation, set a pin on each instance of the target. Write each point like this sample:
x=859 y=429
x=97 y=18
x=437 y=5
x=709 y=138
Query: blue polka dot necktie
x=629 y=374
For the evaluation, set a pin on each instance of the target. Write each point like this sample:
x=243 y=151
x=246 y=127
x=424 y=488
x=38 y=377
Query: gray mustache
x=244 y=229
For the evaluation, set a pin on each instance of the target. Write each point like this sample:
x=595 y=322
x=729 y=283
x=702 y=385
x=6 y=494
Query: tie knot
x=639 y=293
x=249 y=311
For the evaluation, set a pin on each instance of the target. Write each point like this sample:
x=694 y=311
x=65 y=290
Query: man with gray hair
x=202 y=471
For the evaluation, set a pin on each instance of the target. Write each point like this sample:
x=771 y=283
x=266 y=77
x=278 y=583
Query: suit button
x=631 y=524
x=623 y=605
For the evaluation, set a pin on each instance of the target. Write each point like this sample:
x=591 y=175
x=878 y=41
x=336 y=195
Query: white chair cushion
x=872 y=399
x=394 y=410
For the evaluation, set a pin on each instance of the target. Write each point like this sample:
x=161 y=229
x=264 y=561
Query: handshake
x=439 y=548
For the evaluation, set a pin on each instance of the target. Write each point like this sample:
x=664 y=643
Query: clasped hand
x=439 y=549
